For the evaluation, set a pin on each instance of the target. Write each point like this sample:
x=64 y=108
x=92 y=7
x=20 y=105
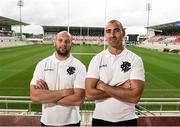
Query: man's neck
x=60 y=57
x=115 y=51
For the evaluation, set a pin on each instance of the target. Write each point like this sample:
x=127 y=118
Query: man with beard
x=58 y=84
x=115 y=80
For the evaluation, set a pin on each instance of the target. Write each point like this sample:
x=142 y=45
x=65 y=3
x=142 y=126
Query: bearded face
x=63 y=44
x=63 y=51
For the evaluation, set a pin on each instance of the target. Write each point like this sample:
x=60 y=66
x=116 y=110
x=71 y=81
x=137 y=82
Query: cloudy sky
x=132 y=13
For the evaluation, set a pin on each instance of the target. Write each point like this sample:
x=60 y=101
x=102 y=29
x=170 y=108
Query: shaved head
x=115 y=22
x=63 y=43
x=64 y=34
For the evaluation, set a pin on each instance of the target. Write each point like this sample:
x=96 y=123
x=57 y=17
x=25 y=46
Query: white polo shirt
x=115 y=70
x=58 y=75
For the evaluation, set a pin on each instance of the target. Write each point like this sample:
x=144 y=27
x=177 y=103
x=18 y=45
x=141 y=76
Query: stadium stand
x=7 y=38
x=11 y=43
x=93 y=40
x=7 y=35
x=162 y=43
x=177 y=40
x=166 y=38
x=81 y=35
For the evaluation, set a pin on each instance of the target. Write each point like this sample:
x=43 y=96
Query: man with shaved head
x=58 y=84
x=115 y=80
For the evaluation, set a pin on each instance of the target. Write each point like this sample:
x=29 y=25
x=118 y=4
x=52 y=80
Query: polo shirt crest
x=71 y=70
x=125 y=66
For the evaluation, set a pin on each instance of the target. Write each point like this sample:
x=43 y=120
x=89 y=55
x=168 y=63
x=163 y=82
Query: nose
x=112 y=34
x=63 y=44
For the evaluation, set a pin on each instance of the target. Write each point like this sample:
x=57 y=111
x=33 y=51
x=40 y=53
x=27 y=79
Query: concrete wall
x=6 y=120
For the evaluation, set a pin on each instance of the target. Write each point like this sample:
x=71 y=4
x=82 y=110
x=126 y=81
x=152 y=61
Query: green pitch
x=17 y=66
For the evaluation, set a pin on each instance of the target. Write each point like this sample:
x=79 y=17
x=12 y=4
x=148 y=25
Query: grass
x=162 y=73
x=17 y=66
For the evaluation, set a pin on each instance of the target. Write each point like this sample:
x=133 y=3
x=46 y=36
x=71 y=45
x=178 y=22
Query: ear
x=72 y=44
x=124 y=33
x=54 y=42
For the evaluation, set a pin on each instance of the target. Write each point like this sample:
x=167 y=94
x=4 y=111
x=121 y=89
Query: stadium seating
x=163 y=43
x=11 y=43
x=94 y=40
x=177 y=39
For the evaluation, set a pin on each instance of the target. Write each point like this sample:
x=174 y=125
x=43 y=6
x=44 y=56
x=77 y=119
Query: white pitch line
x=162 y=90
x=13 y=88
x=89 y=54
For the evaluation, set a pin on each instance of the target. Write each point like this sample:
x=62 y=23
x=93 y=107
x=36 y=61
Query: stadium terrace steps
x=14 y=44
x=159 y=47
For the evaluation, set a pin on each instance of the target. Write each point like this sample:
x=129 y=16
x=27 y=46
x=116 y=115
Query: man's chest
x=115 y=71
x=59 y=76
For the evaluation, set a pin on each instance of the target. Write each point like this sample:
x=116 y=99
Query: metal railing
x=144 y=107
x=8 y=100
x=162 y=103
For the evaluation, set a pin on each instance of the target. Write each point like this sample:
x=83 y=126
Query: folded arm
x=92 y=93
x=130 y=94
x=40 y=93
x=75 y=99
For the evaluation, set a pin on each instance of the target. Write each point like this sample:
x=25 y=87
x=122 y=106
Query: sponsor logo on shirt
x=104 y=65
x=125 y=66
x=48 y=69
x=71 y=70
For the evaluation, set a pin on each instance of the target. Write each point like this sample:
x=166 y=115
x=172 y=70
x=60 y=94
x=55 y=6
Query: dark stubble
x=64 y=54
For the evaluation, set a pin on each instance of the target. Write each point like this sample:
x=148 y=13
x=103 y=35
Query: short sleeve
x=93 y=68
x=38 y=74
x=80 y=78
x=138 y=72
